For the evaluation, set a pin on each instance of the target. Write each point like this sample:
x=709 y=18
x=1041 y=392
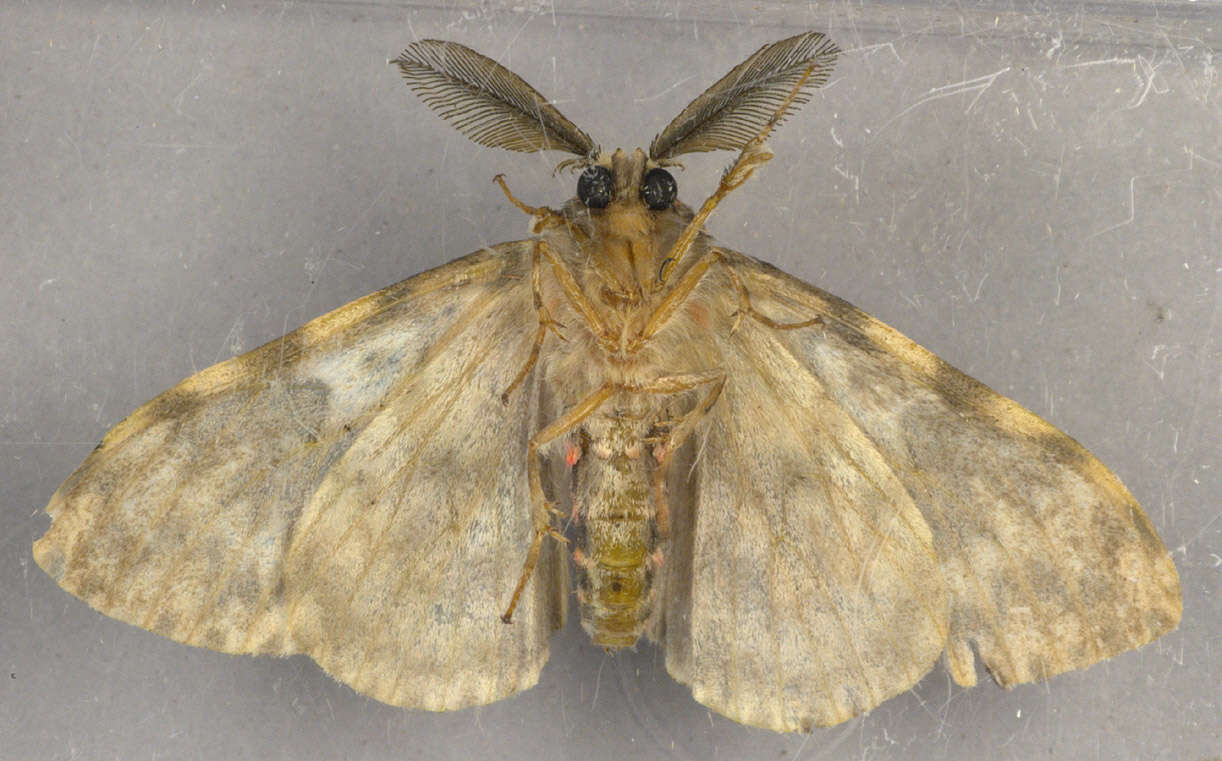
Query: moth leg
x=577 y=298
x=679 y=431
x=541 y=508
x=541 y=216
x=672 y=301
x=753 y=154
x=745 y=308
x=687 y=283
x=546 y=323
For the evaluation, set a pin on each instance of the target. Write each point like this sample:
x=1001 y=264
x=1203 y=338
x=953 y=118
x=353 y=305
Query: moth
x=802 y=507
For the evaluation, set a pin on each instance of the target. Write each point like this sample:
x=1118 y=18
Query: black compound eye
x=658 y=189
x=595 y=187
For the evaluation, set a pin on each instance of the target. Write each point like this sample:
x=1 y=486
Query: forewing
x=814 y=590
x=1050 y=562
x=354 y=491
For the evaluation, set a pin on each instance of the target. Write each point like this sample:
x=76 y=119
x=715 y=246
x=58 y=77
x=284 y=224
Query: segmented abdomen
x=616 y=537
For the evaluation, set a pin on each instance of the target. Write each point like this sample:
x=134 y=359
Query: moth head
x=626 y=179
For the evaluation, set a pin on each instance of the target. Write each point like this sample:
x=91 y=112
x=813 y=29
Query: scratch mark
x=1145 y=80
x=1144 y=71
x=178 y=99
x=598 y=680
x=1098 y=62
x=1194 y=156
x=655 y=96
x=1128 y=221
x=980 y=287
x=1056 y=182
x=978 y=85
x=1201 y=533
x=1167 y=353
x=879 y=46
x=856 y=179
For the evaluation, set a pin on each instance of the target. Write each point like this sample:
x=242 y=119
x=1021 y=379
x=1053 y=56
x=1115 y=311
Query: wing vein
x=403 y=472
x=460 y=326
x=993 y=621
x=884 y=536
x=113 y=504
x=775 y=615
x=209 y=521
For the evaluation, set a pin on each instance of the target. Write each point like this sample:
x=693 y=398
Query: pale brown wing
x=1049 y=561
x=815 y=591
x=354 y=491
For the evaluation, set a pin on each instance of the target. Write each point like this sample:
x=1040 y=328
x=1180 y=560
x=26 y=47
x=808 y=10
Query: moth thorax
x=616 y=537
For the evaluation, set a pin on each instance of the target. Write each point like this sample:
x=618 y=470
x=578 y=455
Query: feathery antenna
x=731 y=112
x=487 y=102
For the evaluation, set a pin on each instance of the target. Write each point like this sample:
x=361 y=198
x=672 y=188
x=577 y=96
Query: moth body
x=615 y=253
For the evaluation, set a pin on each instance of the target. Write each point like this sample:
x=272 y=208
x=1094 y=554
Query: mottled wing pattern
x=1049 y=561
x=301 y=498
x=815 y=592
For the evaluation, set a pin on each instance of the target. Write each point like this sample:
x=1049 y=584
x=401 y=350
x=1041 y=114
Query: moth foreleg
x=541 y=216
x=577 y=298
x=671 y=302
x=754 y=153
x=541 y=510
x=683 y=289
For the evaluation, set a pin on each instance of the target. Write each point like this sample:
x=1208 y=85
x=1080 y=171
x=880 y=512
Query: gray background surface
x=1035 y=196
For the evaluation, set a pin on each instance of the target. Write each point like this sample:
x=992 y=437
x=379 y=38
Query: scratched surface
x=1036 y=198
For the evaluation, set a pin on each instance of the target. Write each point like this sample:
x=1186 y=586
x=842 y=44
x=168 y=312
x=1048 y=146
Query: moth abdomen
x=615 y=579
x=616 y=540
